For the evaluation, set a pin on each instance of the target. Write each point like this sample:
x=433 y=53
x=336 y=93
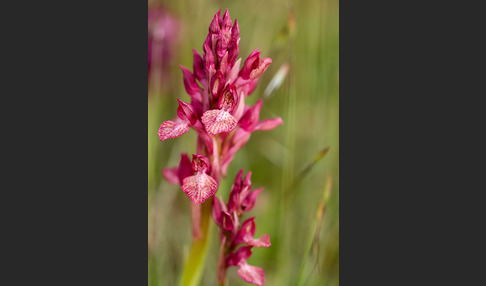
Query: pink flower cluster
x=227 y=217
x=217 y=112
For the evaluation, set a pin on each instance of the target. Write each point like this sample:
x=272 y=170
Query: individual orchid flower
x=254 y=66
x=246 y=233
x=200 y=186
x=180 y=125
x=220 y=120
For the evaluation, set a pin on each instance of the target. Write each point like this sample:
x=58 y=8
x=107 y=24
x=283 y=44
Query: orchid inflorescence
x=227 y=217
x=217 y=112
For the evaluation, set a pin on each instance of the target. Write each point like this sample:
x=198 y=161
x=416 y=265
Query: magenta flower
x=200 y=186
x=217 y=112
x=217 y=87
x=227 y=217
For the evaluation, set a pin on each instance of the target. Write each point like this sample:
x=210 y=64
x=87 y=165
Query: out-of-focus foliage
x=302 y=38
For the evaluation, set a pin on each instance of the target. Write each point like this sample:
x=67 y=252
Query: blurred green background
x=305 y=246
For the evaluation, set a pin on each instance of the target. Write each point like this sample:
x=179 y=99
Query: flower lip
x=172 y=129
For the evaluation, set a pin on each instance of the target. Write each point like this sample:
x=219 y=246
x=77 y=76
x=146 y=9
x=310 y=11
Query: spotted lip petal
x=172 y=129
x=199 y=187
x=218 y=121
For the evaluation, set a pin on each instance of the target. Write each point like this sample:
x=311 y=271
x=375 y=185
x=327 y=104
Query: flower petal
x=198 y=65
x=261 y=68
x=190 y=84
x=247 y=231
x=186 y=111
x=251 y=274
x=249 y=201
x=263 y=241
x=217 y=121
x=269 y=124
x=242 y=254
x=249 y=121
x=172 y=129
x=199 y=187
x=185 y=168
x=170 y=175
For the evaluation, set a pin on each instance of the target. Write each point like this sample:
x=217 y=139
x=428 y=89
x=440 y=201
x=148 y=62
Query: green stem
x=194 y=266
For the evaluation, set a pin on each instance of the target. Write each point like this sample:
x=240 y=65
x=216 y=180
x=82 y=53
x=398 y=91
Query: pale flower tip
x=264 y=241
x=214 y=27
x=269 y=124
x=199 y=187
x=218 y=121
x=172 y=129
x=252 y=274
x=226 y=20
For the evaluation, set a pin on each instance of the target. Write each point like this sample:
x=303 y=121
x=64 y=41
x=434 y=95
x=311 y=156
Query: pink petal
x=233 y=47
x=186 y=111
x=248 y=66
x=217 y=83
x=261 y=68
x=189 y=81
x=228 y=222
x=199 y=187
x=172 y=129
x=226 y=25
x=251 y=274
x=263 y=241
x=208 y=58
x=235 y=32
x=214 y=27
x=185 y=168
x=242 y=254
x=223 y=66
x=170 y=175
x=249 y=121
x=269 y=124
x=233 y=73
x=247 y=86
x=217 y=121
